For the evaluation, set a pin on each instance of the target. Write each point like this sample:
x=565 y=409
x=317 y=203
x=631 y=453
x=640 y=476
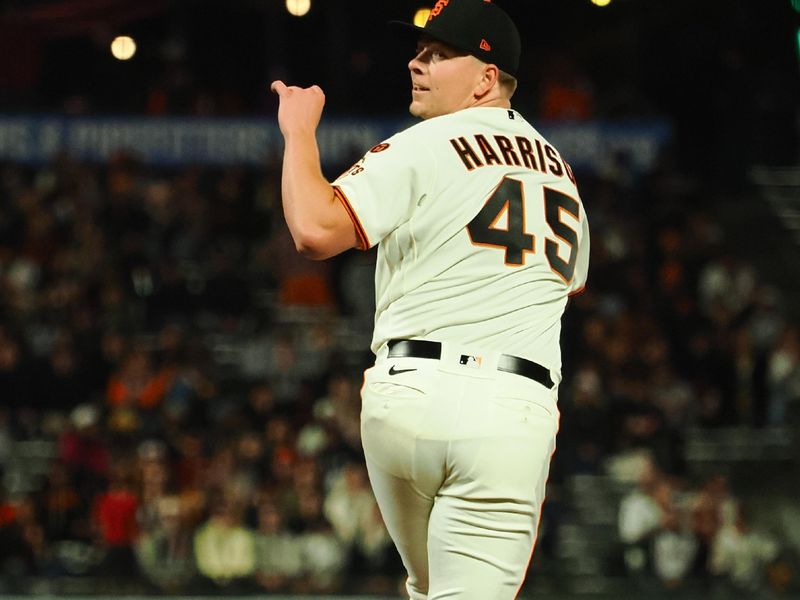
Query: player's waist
x=400 y=348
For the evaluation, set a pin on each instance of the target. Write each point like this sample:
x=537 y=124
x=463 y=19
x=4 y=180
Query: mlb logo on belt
x=471 y=361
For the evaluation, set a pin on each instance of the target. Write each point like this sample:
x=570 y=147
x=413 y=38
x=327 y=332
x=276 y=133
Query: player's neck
x=494 y=98
x=492 y=103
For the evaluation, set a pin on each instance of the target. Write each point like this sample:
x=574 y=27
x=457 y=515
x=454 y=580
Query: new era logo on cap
x=486 y=46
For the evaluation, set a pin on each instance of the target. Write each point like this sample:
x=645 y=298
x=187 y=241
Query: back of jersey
x=482 y=233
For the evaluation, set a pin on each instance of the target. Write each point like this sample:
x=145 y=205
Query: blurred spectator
x=323 y=555
x=82 y=447
x=740 y=555
x=726 y=285
x=661 y=547
x=191 y=462
x=280 y=440
x=674 y=548
x=22 y=541
x=136 y=386
x=353 y=512
x=114 y=520
x=164 y=550
x=641 y=511
x=221 y=466
x=784 y=378
x=155 y=483
x=279 y=562
x=224 y=548
x=707 y=516
x=64 y=513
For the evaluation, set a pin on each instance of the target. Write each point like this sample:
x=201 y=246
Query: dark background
x=725 y=72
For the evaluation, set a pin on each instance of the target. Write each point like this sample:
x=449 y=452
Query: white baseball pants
x=458 y=456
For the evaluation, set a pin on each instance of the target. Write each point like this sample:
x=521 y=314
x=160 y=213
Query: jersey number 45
x=507 y=202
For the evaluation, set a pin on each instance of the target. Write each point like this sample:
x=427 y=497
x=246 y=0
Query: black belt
x=506 y=362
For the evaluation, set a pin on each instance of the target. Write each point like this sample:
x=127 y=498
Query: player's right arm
x=319 y=223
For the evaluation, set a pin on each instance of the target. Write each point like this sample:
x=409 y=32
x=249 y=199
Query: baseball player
x=481 y=238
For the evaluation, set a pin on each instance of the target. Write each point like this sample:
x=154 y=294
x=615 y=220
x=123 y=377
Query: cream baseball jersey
x=482 y=234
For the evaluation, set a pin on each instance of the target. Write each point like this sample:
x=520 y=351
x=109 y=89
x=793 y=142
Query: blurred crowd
x=190 y=386
x=677 y=336
x=184 y=372
x=675 y=330
x=679 y=538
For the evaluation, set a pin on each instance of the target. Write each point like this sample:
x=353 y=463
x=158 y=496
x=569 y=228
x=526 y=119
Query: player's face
x=443 y=79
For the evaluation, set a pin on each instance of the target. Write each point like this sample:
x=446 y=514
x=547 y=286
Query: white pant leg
x=458 y=463
x=405 y=471
x=483 y=524
x=406 y=512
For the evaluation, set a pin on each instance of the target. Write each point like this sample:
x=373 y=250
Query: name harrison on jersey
x=533 y=155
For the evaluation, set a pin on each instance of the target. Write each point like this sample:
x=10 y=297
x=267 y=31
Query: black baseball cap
x=477 y=27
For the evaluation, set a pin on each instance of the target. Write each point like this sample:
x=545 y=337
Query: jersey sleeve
x=381 y=190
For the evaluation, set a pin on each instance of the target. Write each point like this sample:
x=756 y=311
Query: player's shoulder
x=459 y=121
x=415 y=141
x=420 y=129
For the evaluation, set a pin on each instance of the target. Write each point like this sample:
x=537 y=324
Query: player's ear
x=489 y=77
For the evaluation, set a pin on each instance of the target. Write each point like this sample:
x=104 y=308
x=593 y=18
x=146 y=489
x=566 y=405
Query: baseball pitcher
x=481 y=237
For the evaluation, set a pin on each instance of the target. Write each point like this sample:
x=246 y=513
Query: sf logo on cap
x=438 y=8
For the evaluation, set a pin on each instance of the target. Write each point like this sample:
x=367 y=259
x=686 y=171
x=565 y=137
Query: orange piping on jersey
x=363 y=240
x=580 y=290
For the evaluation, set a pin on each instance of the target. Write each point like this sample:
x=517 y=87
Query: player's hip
x=461 y=394
x=418 y=417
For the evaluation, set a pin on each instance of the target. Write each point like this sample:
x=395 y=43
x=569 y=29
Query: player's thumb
x=278 y=87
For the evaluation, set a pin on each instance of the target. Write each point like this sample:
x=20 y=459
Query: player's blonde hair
x=508 y=83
